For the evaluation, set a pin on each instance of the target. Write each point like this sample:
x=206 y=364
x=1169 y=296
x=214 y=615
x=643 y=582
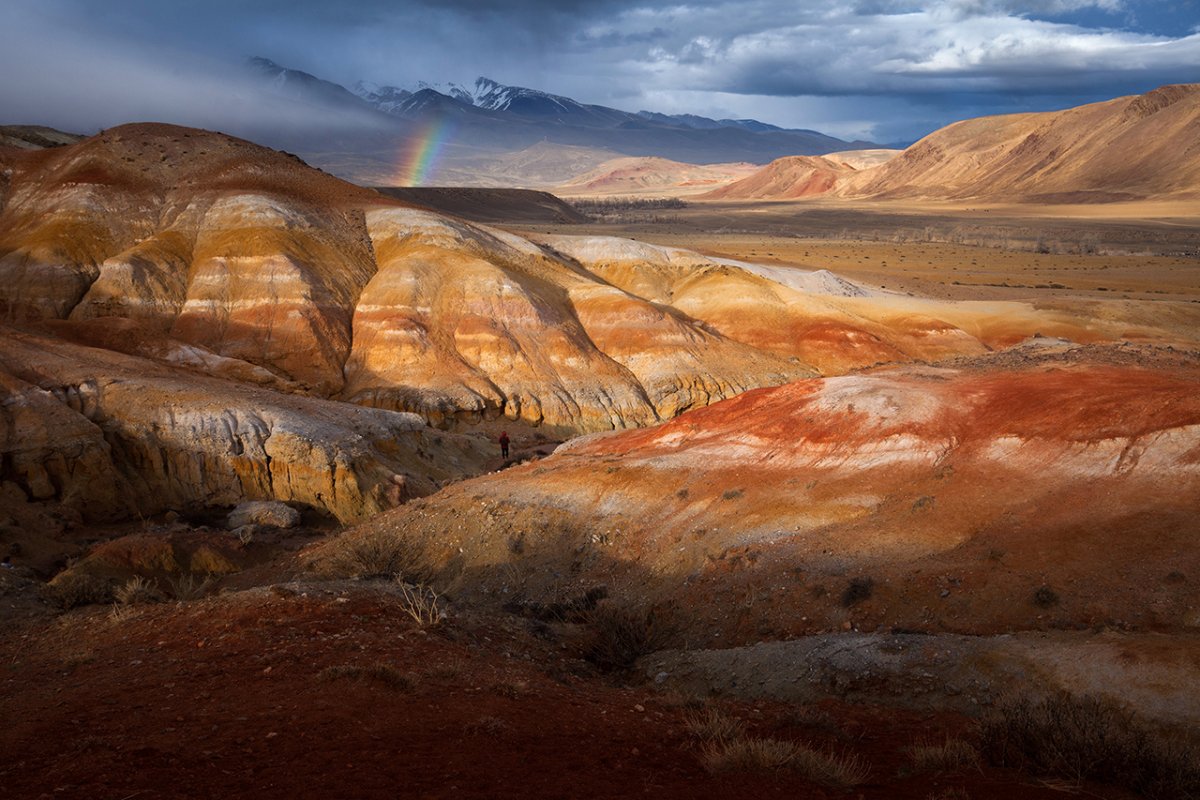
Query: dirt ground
x=1144 y=252
x=239 y=696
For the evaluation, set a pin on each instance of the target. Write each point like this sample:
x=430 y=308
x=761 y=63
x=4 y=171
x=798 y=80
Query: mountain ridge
x=493 y=118
x=1130 y=148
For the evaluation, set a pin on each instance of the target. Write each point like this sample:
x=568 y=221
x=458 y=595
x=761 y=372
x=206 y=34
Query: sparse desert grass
x=711 y=725
x=619 y=636
x=1079 y=738
x=121 y=612
x=837 y=771
x=189 y=586
x=375 y=554
x=137 y=591
x=947 y=755
x=747 y=754
x=423 y=605
x=381 y=673
x=756 y=754
x=70 y=590
x=726 y=747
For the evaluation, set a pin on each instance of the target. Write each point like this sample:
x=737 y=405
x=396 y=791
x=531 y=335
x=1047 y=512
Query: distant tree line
x=613 y=205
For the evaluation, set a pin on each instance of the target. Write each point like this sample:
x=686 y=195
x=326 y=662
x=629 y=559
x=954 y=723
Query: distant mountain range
x=492 y=118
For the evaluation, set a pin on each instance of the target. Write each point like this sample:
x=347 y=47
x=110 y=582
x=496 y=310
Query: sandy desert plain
x=828 y=497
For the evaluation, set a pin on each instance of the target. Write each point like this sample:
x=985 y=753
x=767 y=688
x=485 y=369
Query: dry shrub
x=423 y=605
x=726 y=748
x=137 y=591
x=1086 y=737
x=71 y=589
x=837 y=771
x=619 y=636
x=375 y=554
x=755 y=754
x=378 y=672
x=858 y=590
x=747 y=754
x=1045 y=597
x=120 y=613
x=190 y=587
x=945 y=756
x=711 y=725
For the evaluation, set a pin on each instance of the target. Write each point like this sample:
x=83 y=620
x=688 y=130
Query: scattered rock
x=269 y=513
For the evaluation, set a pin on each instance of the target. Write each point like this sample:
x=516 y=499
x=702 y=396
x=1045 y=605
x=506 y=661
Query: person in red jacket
x=504 y=444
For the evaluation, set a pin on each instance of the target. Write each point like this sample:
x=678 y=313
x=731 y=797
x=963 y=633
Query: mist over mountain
x=487 y=119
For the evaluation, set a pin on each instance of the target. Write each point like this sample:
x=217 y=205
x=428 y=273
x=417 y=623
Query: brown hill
x=1050 y=486
x=654 y=176
x=1145 y=146
x=1131 y=148
x=785 y=179
x=249 y=254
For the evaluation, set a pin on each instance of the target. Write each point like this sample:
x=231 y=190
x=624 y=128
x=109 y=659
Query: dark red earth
x=225 y=698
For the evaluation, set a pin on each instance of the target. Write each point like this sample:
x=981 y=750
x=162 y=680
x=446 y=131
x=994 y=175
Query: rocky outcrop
x=268 y=513
x=53 y=453
x=111 y=434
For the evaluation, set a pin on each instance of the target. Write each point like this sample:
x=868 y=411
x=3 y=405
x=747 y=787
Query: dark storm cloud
x=878 y=68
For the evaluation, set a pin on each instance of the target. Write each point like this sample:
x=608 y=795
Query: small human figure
x=504 y=444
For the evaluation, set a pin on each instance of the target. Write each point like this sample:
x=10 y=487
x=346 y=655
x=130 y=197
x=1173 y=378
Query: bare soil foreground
x=331 y=690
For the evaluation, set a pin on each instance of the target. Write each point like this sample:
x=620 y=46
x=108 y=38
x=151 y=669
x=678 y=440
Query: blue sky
x=883 y=69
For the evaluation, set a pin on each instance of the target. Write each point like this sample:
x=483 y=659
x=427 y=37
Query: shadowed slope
x=1076 y=468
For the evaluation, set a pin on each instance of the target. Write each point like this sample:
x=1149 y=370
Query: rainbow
x=420 y=154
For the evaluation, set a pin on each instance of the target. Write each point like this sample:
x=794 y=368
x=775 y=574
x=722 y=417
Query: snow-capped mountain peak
x=388 y=99
x=449 y=89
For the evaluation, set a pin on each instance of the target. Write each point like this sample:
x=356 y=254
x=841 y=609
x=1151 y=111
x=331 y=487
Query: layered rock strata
x=113 y=436
x=1050 y=483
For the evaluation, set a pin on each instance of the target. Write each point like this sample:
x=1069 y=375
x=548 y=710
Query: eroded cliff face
x=112 y=436
x=470 y=321
x=341 y=292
